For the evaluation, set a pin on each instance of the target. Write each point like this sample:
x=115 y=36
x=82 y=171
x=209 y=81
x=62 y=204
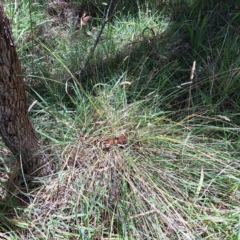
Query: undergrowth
x=141 y=149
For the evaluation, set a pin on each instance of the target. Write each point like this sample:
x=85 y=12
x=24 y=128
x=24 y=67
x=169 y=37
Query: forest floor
x=145 y=143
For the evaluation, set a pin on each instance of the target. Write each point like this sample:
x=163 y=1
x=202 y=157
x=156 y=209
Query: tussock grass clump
x=136 y=174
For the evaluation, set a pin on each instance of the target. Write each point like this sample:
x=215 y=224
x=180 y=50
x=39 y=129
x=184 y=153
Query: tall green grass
x=176 y=174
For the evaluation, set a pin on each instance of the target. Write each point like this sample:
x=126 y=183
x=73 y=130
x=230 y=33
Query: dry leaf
x=126 y=83
x=193 y=70
x=121 y=140
x=84 y=18
x=224 y=118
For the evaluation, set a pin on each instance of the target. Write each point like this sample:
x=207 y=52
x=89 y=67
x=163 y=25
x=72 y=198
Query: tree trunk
x=15 y=128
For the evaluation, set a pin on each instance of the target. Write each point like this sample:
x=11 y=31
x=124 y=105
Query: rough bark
x=16 y=129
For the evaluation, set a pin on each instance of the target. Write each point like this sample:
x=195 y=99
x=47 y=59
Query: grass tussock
x=141 y=150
